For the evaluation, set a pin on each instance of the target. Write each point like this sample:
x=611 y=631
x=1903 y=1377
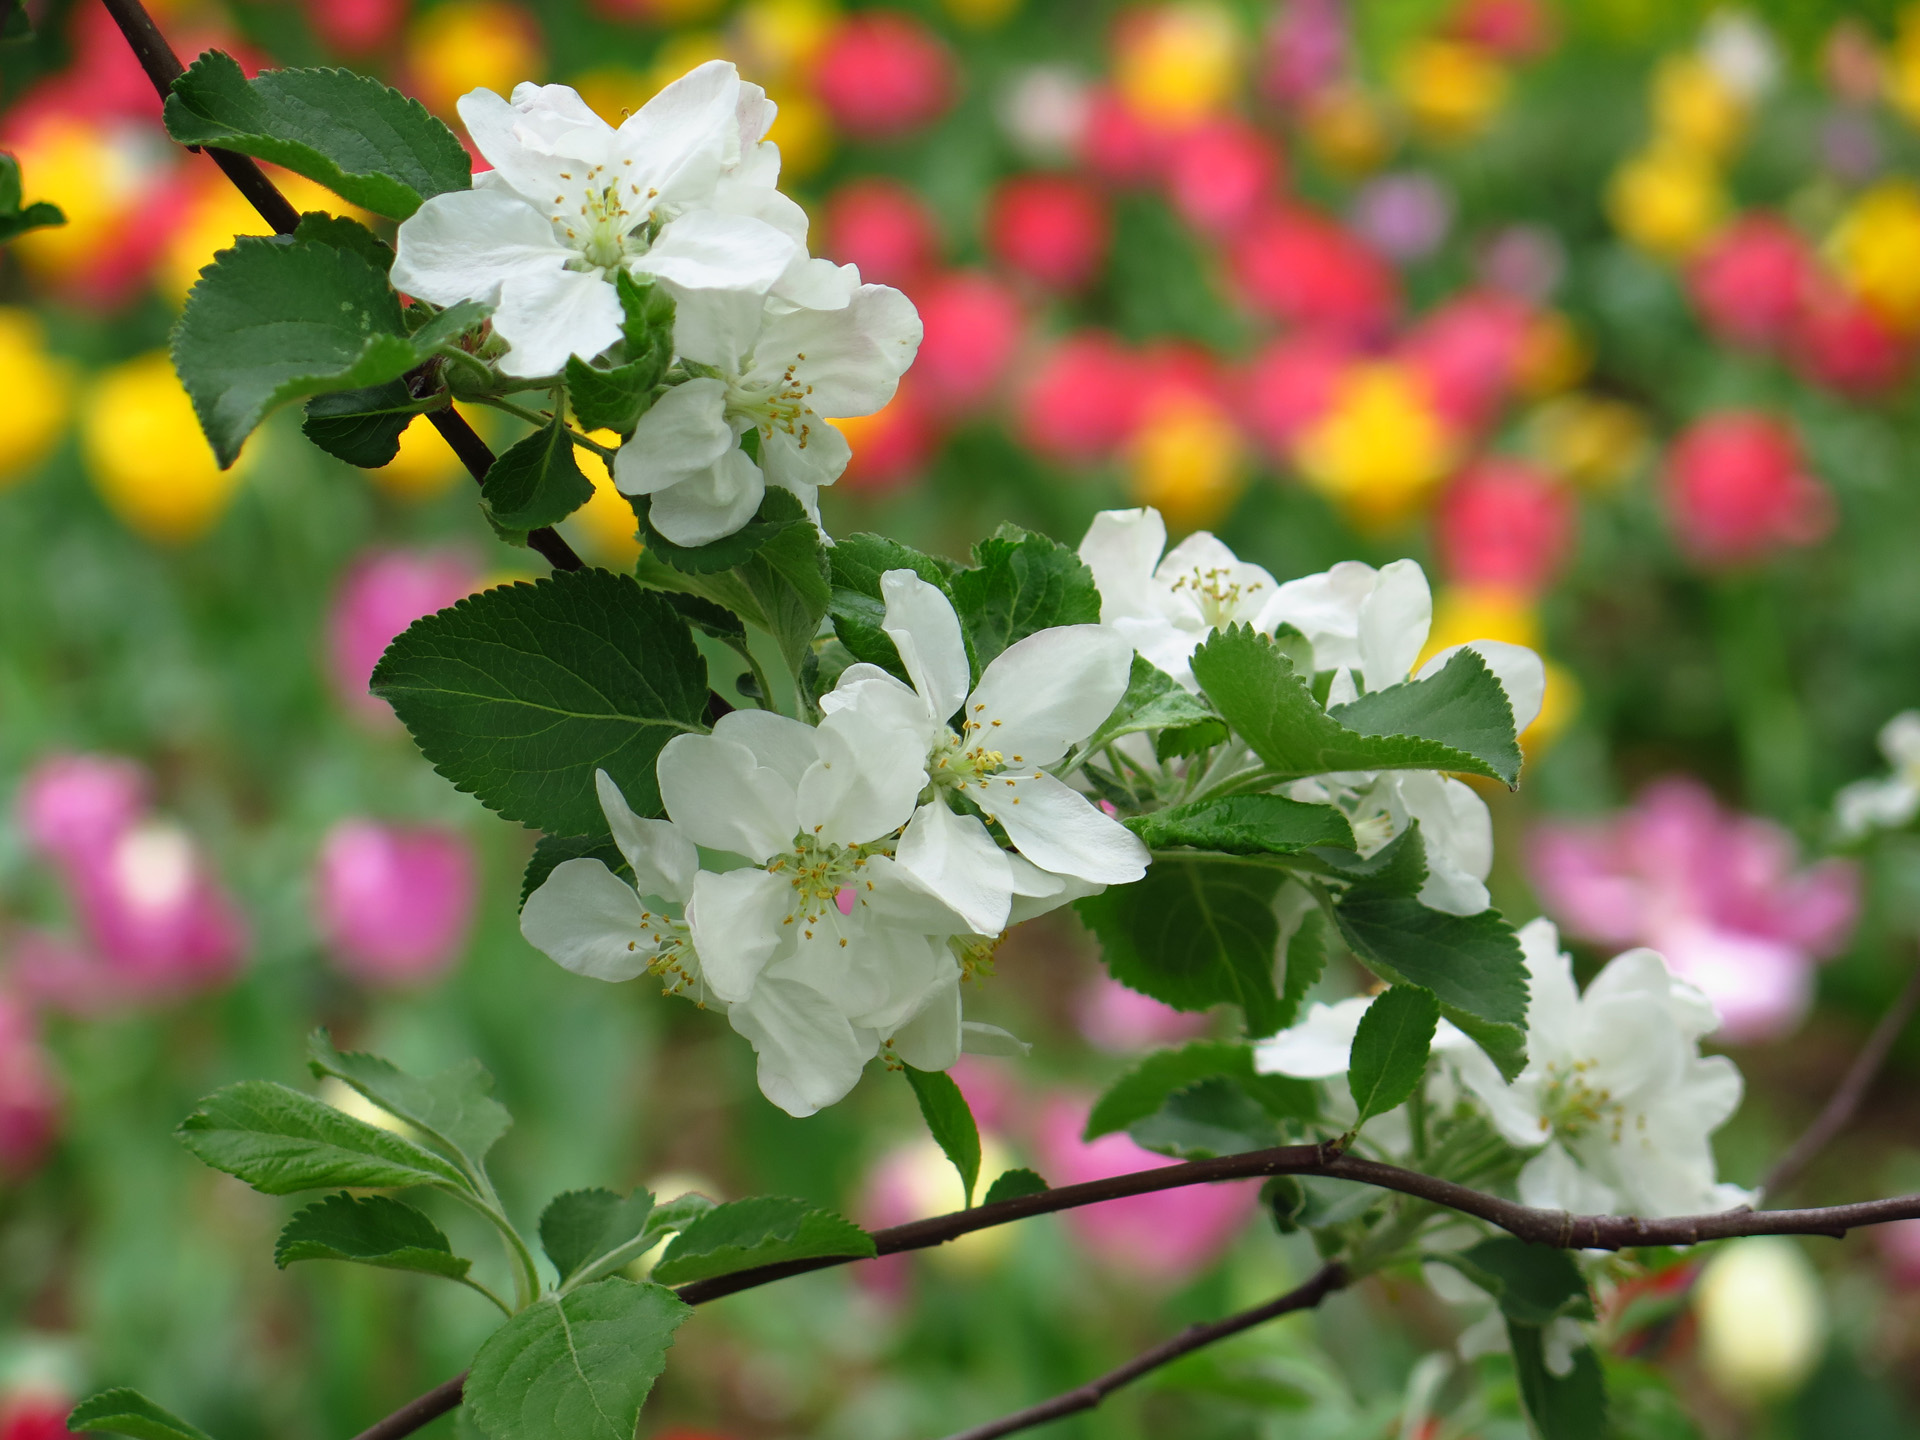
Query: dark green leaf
x=583 y=1226
x=615 y=398
x=1213 y=1117
x=536 y=481
x=1534 y=1284
x=1153 y=701
x=128 y=1412
x=1397 y=868
x=1245 y=825
x=16 y=27
x=271 y=321
x=673 y=1215
x=1390 y=1049
x=371 y=1230
x=16 y=218
x=364 y=141
x=1457 y=720
x=345 y=233
x=455 y=1108
x=518 y=694
x=1180 y=740
x=1569 y=1407
x=576 y=1366
x=950 y=1120
x=1306 y=959
x=763 y=1231
x=779 y=512
x=1021 y=583
x=551 y=851
x=856 y=565
x=280 y=1141
x=787 y=578
x=1012 y=1184
x=363 y=427
x=1145 y=1088
x=1194 y=933
x=707 y=617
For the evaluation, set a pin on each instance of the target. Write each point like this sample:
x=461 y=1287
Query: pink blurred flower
x=884 y=228
x=1218 y=172
x=1122 y=1021
x=1162 y=1238
x=894 y=444
x=29 y=1092
x=1716 y=892
x=383 y=593
x=1405 y=217
x=157 y=916
x=1298 y=266
x=1749 y=282
x=1839 y=342
x=973 y=326
x=1080 y=403
x=1525 y=261
x=883 y=74
x=71 y=807
x=1899 y=1244
x=1290 y=385
x=1850 y=146
x=1053 y=229
x=1469 y=352
x=1306 y=50
x=355 y=27
x=1512 y=29
x=1116 y=144
x=394 y=904
x=38 y=1414
x=1736 y=492
x=1504 y=522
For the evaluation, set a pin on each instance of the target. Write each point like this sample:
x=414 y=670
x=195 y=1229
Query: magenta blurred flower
x=29 y=1093
x=1291 y=384
x=72 y=807
x=1504 y=522
x=1116 y=143
x=973 y=325
x=1839 y=341
x=1718 y=893
x=156 y=914
x=1053 y=229
x=1469 y=351
x=394 y=904
x=1850 y=146
x=1405 y=217
x=1079 y=404
x=1218 y=172
x=883 y=227
x=1165 y=1237
x=383 y=593
x=1525 y=261
x=884 y=74
x=1749 y=283
x=1122 y=1021
x=1899 y=1245
x=1736 y=491
x=1306 y=50
x=1298 y=266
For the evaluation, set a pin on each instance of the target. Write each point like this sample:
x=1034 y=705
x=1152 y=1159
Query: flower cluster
x=771 y=343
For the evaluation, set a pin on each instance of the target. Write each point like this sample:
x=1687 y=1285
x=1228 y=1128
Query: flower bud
x=1736 y=492
x=394 y=904
x=383 y=593
x=883 y=75
x=1053 y=229
x=884 y=228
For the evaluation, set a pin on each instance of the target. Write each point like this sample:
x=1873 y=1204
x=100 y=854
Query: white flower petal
x=802 y=461
x=706 y=250
x=1121 y=547
x=854 y=355
x=1552 y=1180
x=1318 y=1047
x=979 y=1038
x=1394 y=621
x=545 y=318
x=955 y=859
x=810 y=1056
x=723 y=799
x=1048 y=691
x=713 y=503
x=683 y=433
x=494 y=125
x=785 y=745
x=716 y=327
x=924 y=629
x=663 y=859
x=866 y=781
x=589 y=921
x=931 y=1039
x=681 y=140
x=1058 y=829
x=466 y=244
x=1326 y=609
x=736 y=919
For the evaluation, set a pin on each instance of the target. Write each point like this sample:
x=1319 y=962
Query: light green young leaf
x=454 y=1108
x=1306 y=960
x=1021 y=583
x=950 y=1120
x=766 y=1230
x=16 y=218
x=581 y=1227
x=1245 y=825
x=576 y=1366
x=518 y=694
x=364 y=141
x=280 y=1141
x=1562 y=1407
x=1153 y=701
x=369 y=1230
x=1012 y=1184
x=1390 y=1050
x=536 y=481
x=1456 y=720
x=128 y=1412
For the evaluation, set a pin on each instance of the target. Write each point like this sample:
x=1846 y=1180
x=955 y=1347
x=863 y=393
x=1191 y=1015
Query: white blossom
x=682 y=191
x=1886 y=802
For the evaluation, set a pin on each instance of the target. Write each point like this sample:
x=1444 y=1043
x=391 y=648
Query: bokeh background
x=1605 y=311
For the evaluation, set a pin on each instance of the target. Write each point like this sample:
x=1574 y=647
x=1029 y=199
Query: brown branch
x=1839 y=1111
x=1325 y=1281
x=418 y=1411
x=163 y=68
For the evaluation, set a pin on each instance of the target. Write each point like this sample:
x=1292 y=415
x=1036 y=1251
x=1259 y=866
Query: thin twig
x=163 y=68
x=1839 y=1110
x=417 y=1412
x=1325 y=1282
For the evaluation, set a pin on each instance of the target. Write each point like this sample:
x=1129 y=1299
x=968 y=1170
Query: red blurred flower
x=1504 y=522
x=1736 y=492
x=1839 y=342
x=384 y=593
x=1512 y=29
x=1290 y=385
x=892 y=445
x=29 y=1119
x=973 y=326
x=1082 y=400
x=1469 y=351
x=1296 y=265
x=1051 y=228
x=1749 y=283
x=1217 y=173
x=35 y=1415
x=1116 y=144
x=355 y=27
x=394 y=903
x=883 y=74
x=884 y=228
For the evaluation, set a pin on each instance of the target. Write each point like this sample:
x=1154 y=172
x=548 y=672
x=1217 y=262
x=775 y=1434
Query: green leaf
x=342 y=232
x=536 y=481
x=15 y=218
x=280 y=1141
x=518 y=694
x=1212 y=1117
x=787 y=578
x=765 y=1230
x=576 y=1366
x=1306 y=960
x=1562 y=1407
x=1194 y=933
x=1245 y=825
x=1145 y=1088
x=455 y=1108
x=616 y=397
x=128 y=1412
x=672 y=1216
x=370 y=1230
x=363 y=427
x=1012 y=1184
x=1390 y=1049
x=779 y=512
x=856 y=565
x=1534 y=1284
x=950 y=1120
x=583 y=1226
x=1021 y=583
x=1457 y=720
x=1154 y=700
x=16 y=27
x=364 y=141
x=272 y=321
x=552 y=851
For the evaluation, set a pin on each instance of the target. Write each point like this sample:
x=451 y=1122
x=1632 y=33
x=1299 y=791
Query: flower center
x=825 y=877
x=674 y=960
x=780 y=406
x=1216 y=594
x=955 y=763
x=609 y=225
x=1572 y=1105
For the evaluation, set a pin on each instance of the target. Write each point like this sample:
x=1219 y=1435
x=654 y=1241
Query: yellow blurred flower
x=1553 y=357
x=1492 y=612
x=462 y=46
x=681 y=53
x=782 y=37
x=1179 y=63
x=604 y=528
x=1188 y=461
x=1901 y=76
x=1452 y=89
x=1876 y=250
x=218 y=212
x=1592 y=441
x=424 y=468
x=95 y=180
x=613 y=92
x=147 y=456
x=1347 y=130
x=804 y=133
x=1381 y=447
x=1667 y=200
x=1694 y=109
x=1763 y=1318
x=39 y=395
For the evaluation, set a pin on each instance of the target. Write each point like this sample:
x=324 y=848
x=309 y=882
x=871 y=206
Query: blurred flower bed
x=1607 y=312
